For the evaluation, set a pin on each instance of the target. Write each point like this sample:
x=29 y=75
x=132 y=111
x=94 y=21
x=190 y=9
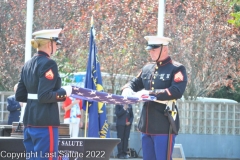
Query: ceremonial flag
x=97 y=125
x=104 y=97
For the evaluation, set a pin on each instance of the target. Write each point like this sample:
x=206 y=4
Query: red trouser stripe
x=169 y=148
x=51 y=141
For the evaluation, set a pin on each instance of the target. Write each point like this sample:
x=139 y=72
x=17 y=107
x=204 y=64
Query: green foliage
x=67 y=78
x=66 y=68
x=236 y=19
x=235 y=14
x=228 y=93
x=233 y=2
x=236 y=8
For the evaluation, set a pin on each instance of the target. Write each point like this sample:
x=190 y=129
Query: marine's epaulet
x=177 y=64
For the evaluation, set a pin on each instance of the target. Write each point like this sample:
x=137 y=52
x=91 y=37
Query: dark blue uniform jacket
x=40 y=76
x=122 y=114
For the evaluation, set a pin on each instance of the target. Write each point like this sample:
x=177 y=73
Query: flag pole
x=92 y=21
x=86 y=117
x=29 y=24
x=161 y=12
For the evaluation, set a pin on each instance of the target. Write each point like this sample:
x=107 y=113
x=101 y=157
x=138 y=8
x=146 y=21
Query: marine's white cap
x=51 y=34
x=156 y=41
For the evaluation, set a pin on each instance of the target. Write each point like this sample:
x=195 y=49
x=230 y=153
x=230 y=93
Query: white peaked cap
x=157 y=40
x=47 y=34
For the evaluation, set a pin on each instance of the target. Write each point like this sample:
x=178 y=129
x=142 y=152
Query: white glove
x=127 y=92
x=142 y=94
x=68 y=90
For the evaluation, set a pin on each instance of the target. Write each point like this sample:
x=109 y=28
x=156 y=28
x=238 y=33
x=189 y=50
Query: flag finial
x=91 y=21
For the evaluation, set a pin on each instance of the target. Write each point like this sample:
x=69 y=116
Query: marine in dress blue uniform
x=166 y=79
x=40 y=87
x=13 y=107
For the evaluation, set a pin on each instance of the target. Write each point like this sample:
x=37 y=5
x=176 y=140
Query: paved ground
x=173 y=159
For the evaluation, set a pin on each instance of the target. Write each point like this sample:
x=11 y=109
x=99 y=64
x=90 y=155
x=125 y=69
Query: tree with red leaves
x=202 y=39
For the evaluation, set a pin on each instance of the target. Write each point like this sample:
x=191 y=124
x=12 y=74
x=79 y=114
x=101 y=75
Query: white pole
x=29 y=22
x=161 y=12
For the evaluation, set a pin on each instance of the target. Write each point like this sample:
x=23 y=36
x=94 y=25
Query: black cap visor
x=150 y=47
x=56 y=40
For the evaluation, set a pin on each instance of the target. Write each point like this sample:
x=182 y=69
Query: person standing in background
x=73 y=113
x=124 y=121
x=14 y=107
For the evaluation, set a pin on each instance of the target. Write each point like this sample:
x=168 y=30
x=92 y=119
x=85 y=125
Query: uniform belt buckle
x=32 y=96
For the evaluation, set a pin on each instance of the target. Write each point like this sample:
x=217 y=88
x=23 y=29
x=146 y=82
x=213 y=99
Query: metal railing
x=195 y=117
x=209 y=117
x=3 y=107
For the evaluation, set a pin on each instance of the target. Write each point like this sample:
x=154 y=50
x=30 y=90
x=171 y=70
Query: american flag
x=97 y=96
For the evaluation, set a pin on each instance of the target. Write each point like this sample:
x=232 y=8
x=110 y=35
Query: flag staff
x=91 y=21
x=86 y=117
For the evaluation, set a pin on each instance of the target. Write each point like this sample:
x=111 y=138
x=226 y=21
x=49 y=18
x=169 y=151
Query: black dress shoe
x=126 y=156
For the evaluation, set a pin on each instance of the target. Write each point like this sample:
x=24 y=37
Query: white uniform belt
x=32 y=96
